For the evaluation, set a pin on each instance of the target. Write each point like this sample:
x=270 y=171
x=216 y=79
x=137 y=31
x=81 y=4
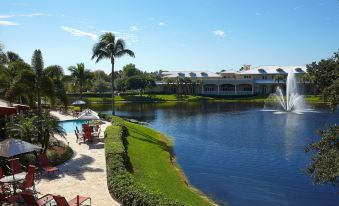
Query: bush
x=119 y=180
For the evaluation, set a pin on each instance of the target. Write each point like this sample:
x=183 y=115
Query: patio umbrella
x=79 y=102
x=88 y=115
x=11 y=147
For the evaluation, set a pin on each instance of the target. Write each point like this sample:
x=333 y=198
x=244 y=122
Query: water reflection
x=239 y=154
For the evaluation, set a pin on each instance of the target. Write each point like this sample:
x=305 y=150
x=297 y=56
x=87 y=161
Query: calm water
x=69 y=125
x=238 y=154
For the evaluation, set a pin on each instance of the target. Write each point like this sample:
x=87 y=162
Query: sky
x=174 y=34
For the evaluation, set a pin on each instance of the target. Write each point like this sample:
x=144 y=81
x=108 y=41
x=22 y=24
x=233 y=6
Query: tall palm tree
x=32 y=83
x=110 y=48
x=80 y=76
x=56 y=73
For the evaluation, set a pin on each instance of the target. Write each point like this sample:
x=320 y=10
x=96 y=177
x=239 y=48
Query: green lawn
x=190 y=98
x=152 y=166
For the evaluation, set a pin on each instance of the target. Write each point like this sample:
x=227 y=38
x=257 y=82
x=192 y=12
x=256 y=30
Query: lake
x=238 y=154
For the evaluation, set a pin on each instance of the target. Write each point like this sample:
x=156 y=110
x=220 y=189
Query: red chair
x=4 y=200
x=15 y=166
x=1 y=173
x=30 y=200
x=28 y=182
x=4 y=187
x=87 y=136
x=44 y=163
x=61 y=201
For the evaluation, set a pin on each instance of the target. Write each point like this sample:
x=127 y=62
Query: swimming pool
x=69 y=125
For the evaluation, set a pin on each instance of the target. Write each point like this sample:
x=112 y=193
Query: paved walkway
x=84 y=174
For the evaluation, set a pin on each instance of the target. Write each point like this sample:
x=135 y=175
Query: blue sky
x=174 y=35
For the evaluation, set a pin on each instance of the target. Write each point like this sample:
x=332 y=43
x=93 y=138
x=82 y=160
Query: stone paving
x=84 y=174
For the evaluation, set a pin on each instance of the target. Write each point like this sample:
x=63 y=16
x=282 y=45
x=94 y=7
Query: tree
x=9 y=73
x=80 y=76
x=331 y=95
x=324 y=166
x=130 y=70
x=23 y=128
x=13 y=57
x=324 y=72
x=32 y=84
x=3 y=56
x=245 y=67
x=50 y=128
x=56 y=73
x=110 y=48
x=140 y=82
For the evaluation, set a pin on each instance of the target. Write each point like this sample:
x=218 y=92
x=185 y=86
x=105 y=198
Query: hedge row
x=120 y=181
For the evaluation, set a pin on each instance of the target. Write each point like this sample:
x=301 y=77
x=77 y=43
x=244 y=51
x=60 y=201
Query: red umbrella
x=5 y=111
x=21 y=107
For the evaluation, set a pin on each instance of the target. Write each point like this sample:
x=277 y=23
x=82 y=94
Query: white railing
x=227 y=93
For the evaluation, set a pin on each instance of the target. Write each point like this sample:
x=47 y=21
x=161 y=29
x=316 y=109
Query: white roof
x=228 y=72
x=275 y=70
x=192 y=74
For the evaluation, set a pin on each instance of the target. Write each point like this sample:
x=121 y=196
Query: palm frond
x=125 y=51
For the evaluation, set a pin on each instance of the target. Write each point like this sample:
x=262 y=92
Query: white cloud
x=134 y=28
x=161 y=24
x=219 y=33
x=28 y=15
x=128 y=37
x=8 y=23
x=32 y=15
x=4 y=16
x=77 y=33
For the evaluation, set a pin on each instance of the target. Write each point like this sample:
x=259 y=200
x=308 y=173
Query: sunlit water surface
x=239 y=154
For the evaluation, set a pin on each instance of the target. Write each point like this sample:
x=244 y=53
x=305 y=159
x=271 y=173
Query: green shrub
x=119 y=180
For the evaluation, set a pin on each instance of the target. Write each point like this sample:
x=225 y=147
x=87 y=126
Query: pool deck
x=84 y=174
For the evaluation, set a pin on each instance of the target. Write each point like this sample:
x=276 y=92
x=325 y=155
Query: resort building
x=260 y=80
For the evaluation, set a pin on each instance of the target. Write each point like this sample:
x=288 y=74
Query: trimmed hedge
x=119 y=180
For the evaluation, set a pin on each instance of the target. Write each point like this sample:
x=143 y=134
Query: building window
x=247 y=77
x=264 y=77
x=209 y=89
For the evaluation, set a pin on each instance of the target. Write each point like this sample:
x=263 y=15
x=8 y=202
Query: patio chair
x=4 y=187
x=9 y=200
x=28 y=183
x=78 y=200
x=77 y=130
x=15 y=166
x=29 y=199
x=87 y=136
x=45 y=165
x=97 y=134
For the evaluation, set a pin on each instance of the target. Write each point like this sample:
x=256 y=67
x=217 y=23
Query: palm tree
x=56 y=73
x=80 y=76
x=32 y=84
x=110 y=48
x=50 y=128
x=24 y=128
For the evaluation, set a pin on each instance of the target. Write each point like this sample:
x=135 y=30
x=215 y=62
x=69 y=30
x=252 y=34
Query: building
x=260 y=80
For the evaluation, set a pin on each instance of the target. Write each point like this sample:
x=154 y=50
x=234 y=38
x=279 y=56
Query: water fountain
x=290 y=101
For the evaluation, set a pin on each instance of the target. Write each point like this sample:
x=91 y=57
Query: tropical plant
x=80 y=76
x=110 y=48
x=56 y=73
x=32 y=84
x=23 y=128
x=324 y=72
x=13 y=57
x=324 y=166
x=50 y=127
x=3 y=56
